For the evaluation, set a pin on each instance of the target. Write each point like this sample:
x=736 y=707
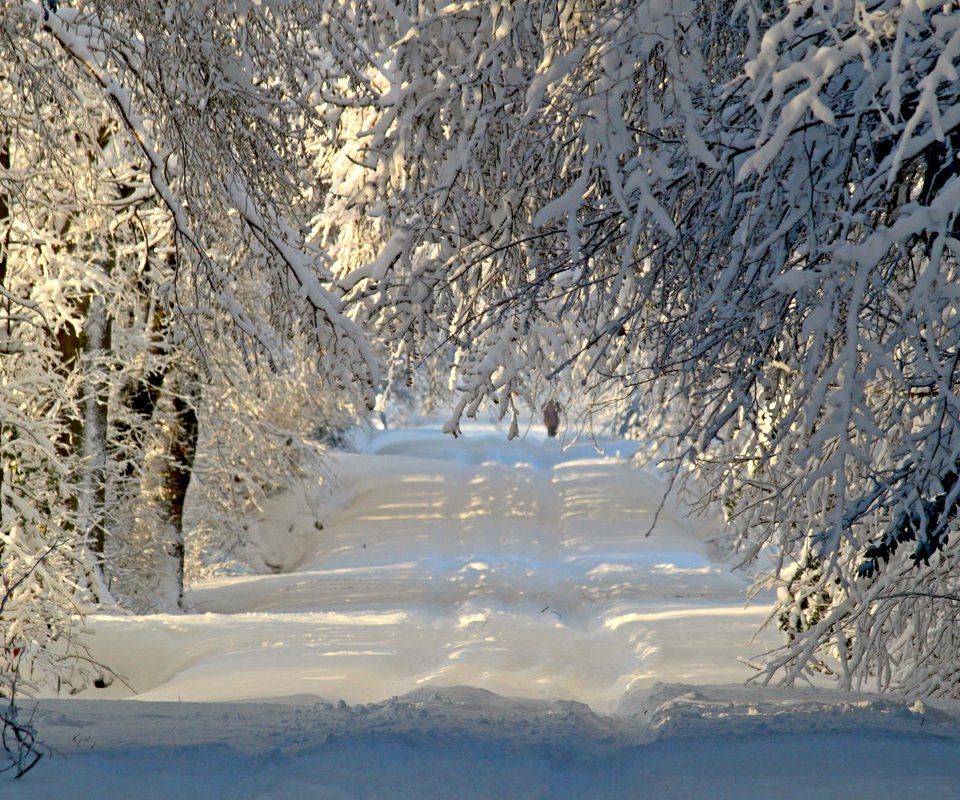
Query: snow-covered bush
x=47 y=576
x=261 y=436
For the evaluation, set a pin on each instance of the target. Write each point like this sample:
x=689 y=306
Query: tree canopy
x=729 y=226
x=741 y=219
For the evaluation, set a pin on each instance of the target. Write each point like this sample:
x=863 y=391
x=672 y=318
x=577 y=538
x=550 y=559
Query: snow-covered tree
x=47 y=364
x=152 y=177
x=742 y=214
x=852 y=116
x=219 y=99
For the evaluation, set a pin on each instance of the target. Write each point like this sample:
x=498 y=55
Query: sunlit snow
x=475 y=618
x=519 y=567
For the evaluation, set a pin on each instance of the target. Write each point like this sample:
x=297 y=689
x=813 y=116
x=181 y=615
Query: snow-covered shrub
x=47 y=576
x=261 y=436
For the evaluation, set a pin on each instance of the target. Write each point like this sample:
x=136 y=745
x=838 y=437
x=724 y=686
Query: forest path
x=517 y=567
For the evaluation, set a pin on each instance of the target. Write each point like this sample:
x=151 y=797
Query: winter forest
x=232 y=232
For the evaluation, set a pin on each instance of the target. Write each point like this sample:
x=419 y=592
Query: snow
x=517 y=567
x=475 y=618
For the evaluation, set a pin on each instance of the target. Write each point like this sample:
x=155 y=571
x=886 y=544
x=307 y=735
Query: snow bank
x=673 y=741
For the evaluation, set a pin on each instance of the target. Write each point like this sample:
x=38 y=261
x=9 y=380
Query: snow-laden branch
x=351 y=359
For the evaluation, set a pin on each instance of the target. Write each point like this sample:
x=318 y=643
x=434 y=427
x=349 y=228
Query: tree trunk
x=5 y=227
x=85 y=434
x=96 y=342
x=180 y=422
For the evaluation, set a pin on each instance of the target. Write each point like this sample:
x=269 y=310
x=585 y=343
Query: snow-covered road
x=475 y=619
x=518 y=567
